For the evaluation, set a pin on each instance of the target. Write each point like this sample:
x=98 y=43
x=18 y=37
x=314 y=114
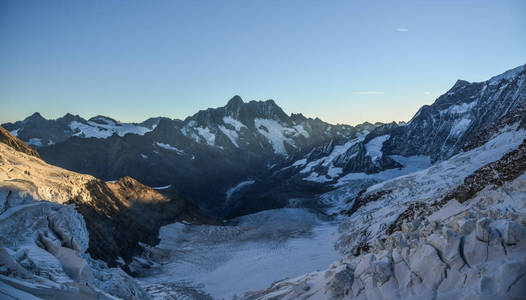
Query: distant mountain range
x=250 y=156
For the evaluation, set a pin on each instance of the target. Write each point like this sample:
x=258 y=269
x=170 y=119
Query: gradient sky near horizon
x=343 y=61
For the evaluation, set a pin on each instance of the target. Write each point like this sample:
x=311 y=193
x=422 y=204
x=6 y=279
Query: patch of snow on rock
x=231 y=135
x=237 y=187
x=235 y=123
x=374 y=147
x=208 y=136
x=275 y=134
x=35 y=142
x=15 y=132
x=459 y=108
x=300 y=162
x=301 y=131
x=168 y=147
x=459 y=127
x=162 y=187
x=336 y=151
x=315 y=177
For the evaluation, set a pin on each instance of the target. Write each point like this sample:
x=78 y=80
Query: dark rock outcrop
x=124 y=213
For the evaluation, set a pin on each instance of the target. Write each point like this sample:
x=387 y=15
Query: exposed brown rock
x=12 y=141
x=362 y=199
x=509 y=167
x=124 y=213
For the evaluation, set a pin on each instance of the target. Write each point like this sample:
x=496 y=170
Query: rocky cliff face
x=13 y=142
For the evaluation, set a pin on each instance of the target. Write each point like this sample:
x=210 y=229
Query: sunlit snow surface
x=262 y=248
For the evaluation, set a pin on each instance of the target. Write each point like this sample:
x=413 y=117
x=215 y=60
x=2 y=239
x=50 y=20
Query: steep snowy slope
x=423 y=236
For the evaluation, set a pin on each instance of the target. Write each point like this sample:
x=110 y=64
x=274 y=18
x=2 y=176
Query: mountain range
x=252 y=156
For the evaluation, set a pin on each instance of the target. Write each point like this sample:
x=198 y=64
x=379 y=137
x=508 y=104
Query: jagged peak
x=70 y=117
x=35 y=117
x=298 y=117
x=101 y=118
x=460 y=83
x=235 y=101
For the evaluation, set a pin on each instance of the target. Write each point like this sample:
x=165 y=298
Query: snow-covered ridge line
x=103 y=131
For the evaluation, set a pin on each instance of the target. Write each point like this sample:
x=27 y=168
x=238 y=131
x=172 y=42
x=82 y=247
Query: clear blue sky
x=343 y=61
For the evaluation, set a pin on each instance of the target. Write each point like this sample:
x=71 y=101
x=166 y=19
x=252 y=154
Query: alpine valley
x=247 y=202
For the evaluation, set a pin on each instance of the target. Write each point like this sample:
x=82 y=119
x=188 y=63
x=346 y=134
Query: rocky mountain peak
x=299 y=117
x=36 y=117
x=235 y=102
x=70 y=117
x=460 y=83
x=103 y=120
